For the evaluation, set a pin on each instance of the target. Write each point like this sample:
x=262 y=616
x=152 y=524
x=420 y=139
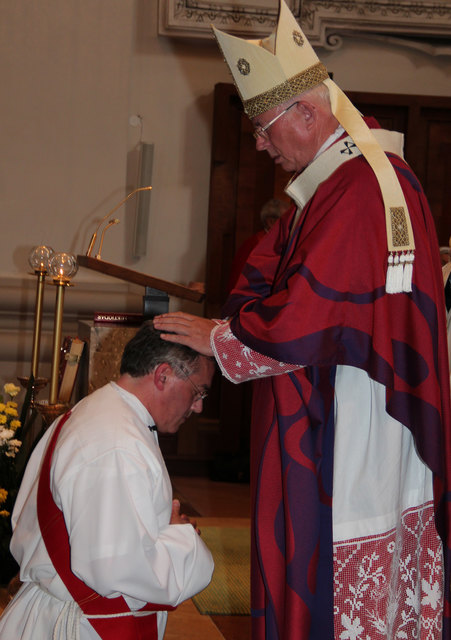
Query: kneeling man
x=102 y=547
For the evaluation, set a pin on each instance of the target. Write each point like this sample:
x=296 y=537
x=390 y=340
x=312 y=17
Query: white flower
x=5 y=435
x=433 y=594
x=353 y=628
x=13 y=448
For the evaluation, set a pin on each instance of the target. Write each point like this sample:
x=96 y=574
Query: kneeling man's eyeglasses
x=200 y=394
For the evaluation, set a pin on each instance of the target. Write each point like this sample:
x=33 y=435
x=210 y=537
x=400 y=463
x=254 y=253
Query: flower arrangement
x=9 y=477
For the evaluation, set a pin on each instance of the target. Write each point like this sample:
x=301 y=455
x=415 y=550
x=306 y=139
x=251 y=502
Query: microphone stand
x=94 y=235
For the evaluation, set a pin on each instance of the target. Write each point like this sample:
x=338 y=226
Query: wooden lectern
x=157 y=291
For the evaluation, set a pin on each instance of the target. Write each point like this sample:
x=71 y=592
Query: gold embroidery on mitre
x=243 y=66
x=298 y=39
x=400 y=231
x=294 y=86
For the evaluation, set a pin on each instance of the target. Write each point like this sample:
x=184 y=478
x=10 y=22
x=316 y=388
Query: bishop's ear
x=307 y=110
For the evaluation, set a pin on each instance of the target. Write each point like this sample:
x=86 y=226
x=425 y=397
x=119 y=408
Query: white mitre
x=271 y=71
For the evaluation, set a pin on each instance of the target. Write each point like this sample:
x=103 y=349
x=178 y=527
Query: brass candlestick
x=38 y=321
x=37 y=385
x=62 y=266
x=61 y=285
x=39 y=262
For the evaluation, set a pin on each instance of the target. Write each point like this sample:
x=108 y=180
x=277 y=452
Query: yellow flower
x=3 y=495
x=11 y=389
x=2 y=406
x=14 y=424
x=4 y=513
x=10 y=411
x=11 y=403
x=2 y=418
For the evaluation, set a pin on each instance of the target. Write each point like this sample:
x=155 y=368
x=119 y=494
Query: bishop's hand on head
x=184 y=328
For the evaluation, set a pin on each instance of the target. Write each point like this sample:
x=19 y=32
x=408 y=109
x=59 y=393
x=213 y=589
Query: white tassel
x=399 y=272
x=389 y=283
x=398 y=269
x=402 y=261
x=408 y=272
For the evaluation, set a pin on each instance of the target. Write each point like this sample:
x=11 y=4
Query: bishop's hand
x=186 y=329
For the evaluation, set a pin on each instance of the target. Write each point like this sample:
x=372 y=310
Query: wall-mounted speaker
x=143 y=201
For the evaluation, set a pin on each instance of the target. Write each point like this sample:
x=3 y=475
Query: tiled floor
x=211 y=503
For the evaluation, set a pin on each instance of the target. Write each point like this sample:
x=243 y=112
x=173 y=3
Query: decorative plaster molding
x=421 y=24
x=193 y=18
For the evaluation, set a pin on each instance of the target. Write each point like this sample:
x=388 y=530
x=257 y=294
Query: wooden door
x=426 y=124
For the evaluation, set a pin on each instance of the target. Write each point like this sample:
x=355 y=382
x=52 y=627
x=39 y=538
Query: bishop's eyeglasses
x=260 y=132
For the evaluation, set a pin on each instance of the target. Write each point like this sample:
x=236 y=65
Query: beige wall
x=73 y=73
x=365 y=65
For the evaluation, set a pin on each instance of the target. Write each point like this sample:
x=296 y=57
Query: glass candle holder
x=63 y=266
x=39 y=258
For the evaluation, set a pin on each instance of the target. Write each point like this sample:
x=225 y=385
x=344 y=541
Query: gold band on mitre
x=269 y=72
x=300 y=83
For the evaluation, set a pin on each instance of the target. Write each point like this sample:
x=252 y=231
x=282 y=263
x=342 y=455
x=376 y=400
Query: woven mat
x=228 y=593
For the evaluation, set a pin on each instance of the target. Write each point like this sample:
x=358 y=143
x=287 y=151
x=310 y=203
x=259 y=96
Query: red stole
x=56 y=539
